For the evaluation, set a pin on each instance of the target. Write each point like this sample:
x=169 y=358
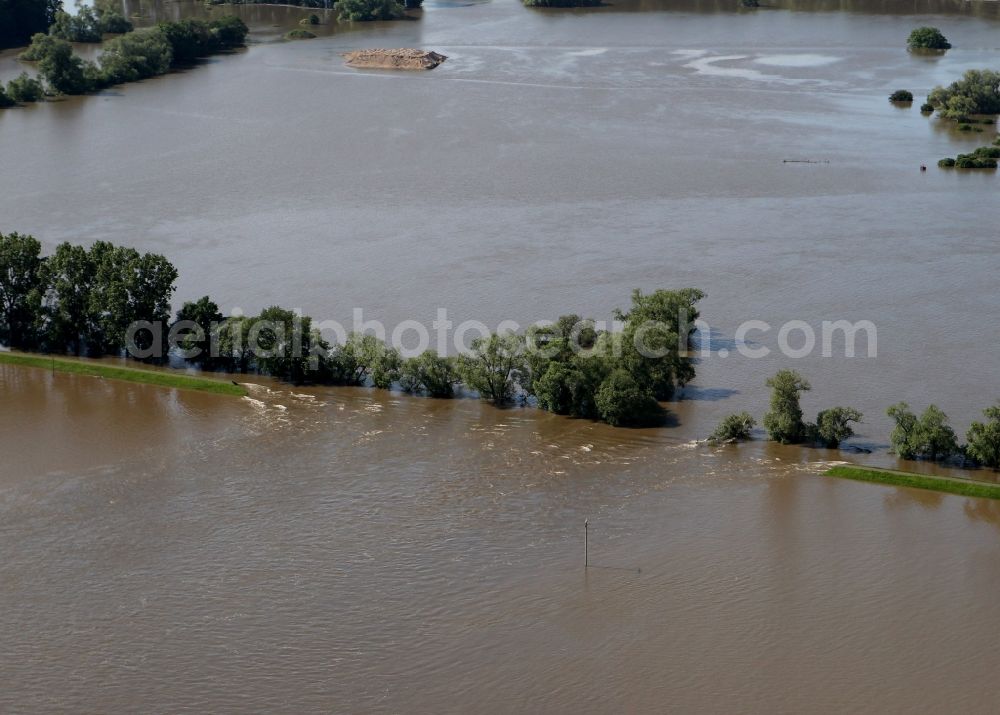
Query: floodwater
x=349 y=550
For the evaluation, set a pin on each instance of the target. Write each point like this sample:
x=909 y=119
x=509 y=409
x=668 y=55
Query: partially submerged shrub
x=311 y=20
x=901 y=95
x=24 y=89
x=927 y=38
x=926 y=108
x=733 y=428
x=299 y=34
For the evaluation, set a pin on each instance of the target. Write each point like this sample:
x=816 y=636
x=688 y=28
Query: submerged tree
x=494 y=366
x=24 y=89
x=430 y=373
x=927 y=38
x=193 y=330
x=654 y=342
x=833 y=426
x=734 y=428
x=65 y=72
x=978 y=92
x=784 y=420
x=927 y=437
x=22 y=284
x=984 y=439
x=622 y=401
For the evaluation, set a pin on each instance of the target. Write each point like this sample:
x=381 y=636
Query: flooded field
x=352 y=550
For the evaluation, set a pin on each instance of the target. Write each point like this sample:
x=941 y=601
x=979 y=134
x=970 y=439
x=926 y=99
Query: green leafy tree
x=784 y=420
x=5 y=99
x=188 y=39
x=563 y=389
x=984 y=439
x=654 y=341
x=69 y=323
x=385 y=365
x=978 y=92
x=232 y=344
x=927 y=437
x=128 y=287
x=901 y=440
x=197 y=342
x=22 y=285
x=494 y=366
x=25 y=89
x=364 y=356
x=622 y=401
x=734 y=428
x=64 y=71
x=927 y=38
x=430 y=373
x=135 y=56
x=113 y=22
x=85 y=26
x=366 y=10
x=282 y=342
x=935 y=438
x=41 y=45
x=833 y=426
x=230 y=32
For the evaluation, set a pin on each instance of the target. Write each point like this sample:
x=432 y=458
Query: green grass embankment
x=948 y=485
x=159 y=378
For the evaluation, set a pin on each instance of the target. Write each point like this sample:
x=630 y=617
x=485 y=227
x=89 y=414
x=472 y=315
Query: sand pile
x=403 y=59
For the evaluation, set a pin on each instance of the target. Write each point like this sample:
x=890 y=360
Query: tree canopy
x=368 y=10
x=734 y=428
x=926 y=437
x=132 y=56
x=984 y=439
x=783 y=421
x=978 y=92
x=927 y=38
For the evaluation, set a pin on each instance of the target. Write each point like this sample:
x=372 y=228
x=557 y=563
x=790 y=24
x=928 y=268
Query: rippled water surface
x=349 y=550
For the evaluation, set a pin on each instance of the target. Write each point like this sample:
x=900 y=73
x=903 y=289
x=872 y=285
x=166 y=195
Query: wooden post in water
x=586 y=543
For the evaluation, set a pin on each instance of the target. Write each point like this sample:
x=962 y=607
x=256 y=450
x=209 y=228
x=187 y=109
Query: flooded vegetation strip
x=128 y=374
x=948 y=485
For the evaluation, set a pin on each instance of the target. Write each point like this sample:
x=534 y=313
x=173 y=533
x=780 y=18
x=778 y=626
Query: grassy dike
x=948 y=485
x=159 y=378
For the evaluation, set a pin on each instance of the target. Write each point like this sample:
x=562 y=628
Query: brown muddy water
x=347 y=550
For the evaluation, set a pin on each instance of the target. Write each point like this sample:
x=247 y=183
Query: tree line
x=132 y=56
x=89 y=302
x=927 y=436
x=569 y=368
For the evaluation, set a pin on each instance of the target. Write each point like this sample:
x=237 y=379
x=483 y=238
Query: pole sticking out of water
x=586 y=543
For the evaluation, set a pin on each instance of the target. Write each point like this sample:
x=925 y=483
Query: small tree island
x=927 y=38
x=978 y=92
